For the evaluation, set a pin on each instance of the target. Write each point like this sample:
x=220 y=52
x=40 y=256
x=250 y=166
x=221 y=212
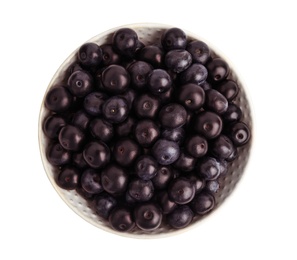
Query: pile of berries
x=145 y=132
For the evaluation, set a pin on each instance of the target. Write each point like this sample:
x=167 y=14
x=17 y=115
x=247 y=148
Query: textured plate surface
x=148 y=34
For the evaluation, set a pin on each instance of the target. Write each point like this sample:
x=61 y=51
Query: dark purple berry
x=146 y=106
x=196 y=73
x=152 y=54
x=125 y=42
x=178 y=60
x=148 y=216
x=96 y=154
x=114 y=179
x=163 y=177
x=139 y=72
x=68 y=178
x=240 y=134
x=203 y=203
x=180 y=217
x=208 y=124
x=218 y=70
x=199 y=51
x=101 y=129
x=165 y=152
x=125 y=128
x=109 y=56
x=209 y=168
x=181 y=190
x=81 y=120
x=173 y=116
x=198 y=182
x=174 y=38
x=115 y=79
x=141 y=190
x=90 y=54
x=196 y=146
x=80 y=83
x=215 y=101
x=103 y=204
x=212 y=186
x=57 y=155
x=159 y=81
x=71 y=138
x=93 y=103
x=222 y=147
x=185 y=162
x=191 y=96
x=129 y=95
x=121 y=219
x=125 y=151
x=91 y=181
x=52 y=126
x=146 y=132
x=176 y=135
x=146 y=167
x=165 y=202
x=58 y=99
x=232 y=114
x=229 y=89
x=78 y=160
x=115 y=109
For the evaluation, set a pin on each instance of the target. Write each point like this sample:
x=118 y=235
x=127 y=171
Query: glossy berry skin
x=163 y=177
x=208 y=124
x=115 y=79
x=203 y=203
x=125 y=151
x=222 y=147
x=212 y=186
x=180 y=217
x=166 y=204
x=146 y=132
x=109 y=56
x=81 y=120
x=172 y=116
x=178 y=60
x=191 y=96
x=232 y=114
x=68 y=178
x=216 y=102
x=165 y=152
x=174 y=38
x=176 y=135
x=58 y=99
x=199 y=50
x=57 y=155
x=115 y=109
x=148 y=216
x=153 y=55
x=93 y=103
x=141 y=190
x=125 y=42
x=114 y=179
x=126 y=127
x=209 y=168
x=79 y=161
x=146 y=167
x=80 y=83
x=121 y=219
x=139 y=72
x=196 y=146
x=239 y=134
x=185 y=162
x=146 y=106
x=104 y=203
x=196 y=73
x=96 y=154
x=229 y=89
x=129 y=96
x=181 y=190
x=218 y=70
x=90 y=54
x=198 y=182
x=52 y=126
x=71 y=138
x=91 y=181
x=101 y=129
x=159 y=81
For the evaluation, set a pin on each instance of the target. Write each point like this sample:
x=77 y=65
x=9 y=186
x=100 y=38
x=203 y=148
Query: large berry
x=165 y=152
x=115 y=79
x=90 y=54
x=80 y=83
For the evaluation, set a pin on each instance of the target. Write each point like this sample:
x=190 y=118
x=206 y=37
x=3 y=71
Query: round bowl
x=148 y=34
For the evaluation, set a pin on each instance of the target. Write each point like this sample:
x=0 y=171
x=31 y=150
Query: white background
x=257 y=222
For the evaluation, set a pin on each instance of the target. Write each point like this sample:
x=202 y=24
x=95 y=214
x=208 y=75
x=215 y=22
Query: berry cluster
x=145 y=132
